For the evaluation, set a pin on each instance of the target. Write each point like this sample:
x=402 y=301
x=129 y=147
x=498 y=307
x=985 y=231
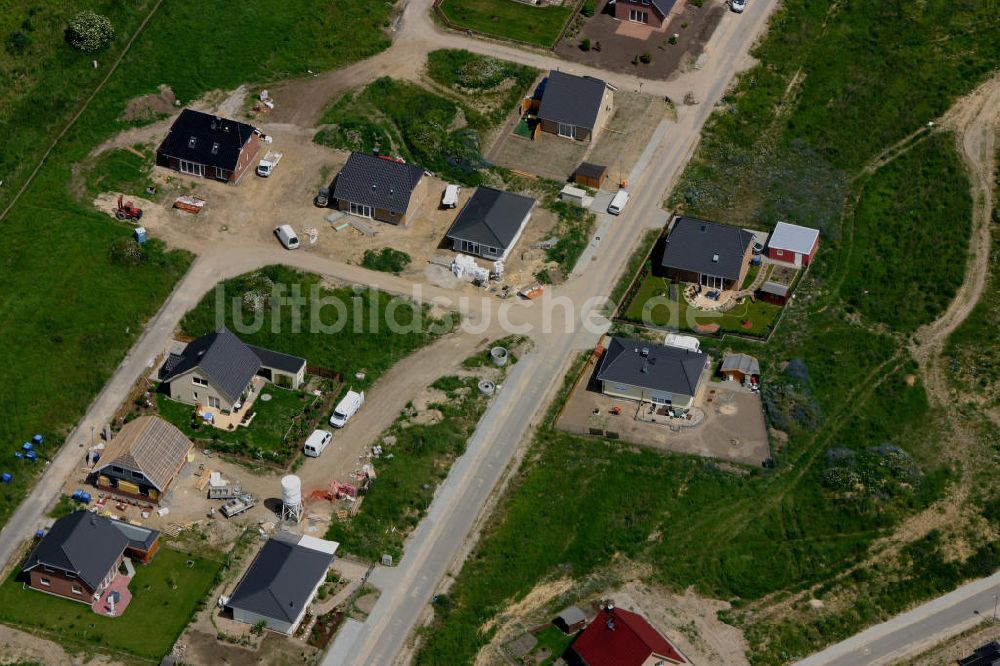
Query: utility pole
x=996 y=599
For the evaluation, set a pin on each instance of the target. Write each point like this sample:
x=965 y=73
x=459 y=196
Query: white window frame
x=45 y=581
x=637 y=16
x=77 y=589
x=214 y=402
x=192 y=168
x=361 y=210
x=198 y=381
x=566 y=130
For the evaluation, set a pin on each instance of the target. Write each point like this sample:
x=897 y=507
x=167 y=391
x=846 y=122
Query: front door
x=566 y=130
x=472 y=248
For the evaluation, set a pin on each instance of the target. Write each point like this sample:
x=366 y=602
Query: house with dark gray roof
x=655 y=13
x=490 y=223
x=659 y=374
x=142 y=459
x=575 y=107
x=379 y=187
x=206 y=145
x=281 y=583
x=217 y=369
x=78 y=557
x=713 y=255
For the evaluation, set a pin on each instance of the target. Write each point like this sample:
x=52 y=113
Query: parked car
x=322 y=199
x=450 y=197
x=316 y=443
x=286 y=235
x=738 y=5
x=347 y=408
x=618 y=203
x=758 y=247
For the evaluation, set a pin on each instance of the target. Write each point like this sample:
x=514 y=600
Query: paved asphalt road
x=917 y=630
x=408 y=588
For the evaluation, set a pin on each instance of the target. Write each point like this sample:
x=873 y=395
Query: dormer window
x=192 y=141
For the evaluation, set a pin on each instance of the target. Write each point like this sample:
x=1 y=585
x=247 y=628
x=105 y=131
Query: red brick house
x=654 y=13
x=792 y=244
x=200 y=144
x=618 y=637
x=79 y=556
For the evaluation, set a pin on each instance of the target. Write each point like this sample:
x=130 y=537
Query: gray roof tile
x=378 y=182
x=706 y=247
x=491 y=217
x=574 y=100
x=279 y=581
x=81 y=543
x=670 y=369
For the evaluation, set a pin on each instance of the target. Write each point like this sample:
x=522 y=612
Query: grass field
x=166 y=594
x=340 y=330
x=540 y=26
x=911 y=231
x=70 y=313
x=862 y=448
x=442 y=131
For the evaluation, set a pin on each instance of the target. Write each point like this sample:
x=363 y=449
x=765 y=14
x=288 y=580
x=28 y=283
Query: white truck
x=346 y=408
x=317 y=443
x=268 y=164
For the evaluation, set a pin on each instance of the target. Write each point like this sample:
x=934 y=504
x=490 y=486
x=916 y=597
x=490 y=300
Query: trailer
x=224 y=491
x=189 y=204
x=237 y=505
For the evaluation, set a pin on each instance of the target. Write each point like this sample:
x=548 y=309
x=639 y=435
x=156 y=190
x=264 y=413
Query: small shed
x=740 y=368
x=773 y=292
x=570 y=620
x=591 y=175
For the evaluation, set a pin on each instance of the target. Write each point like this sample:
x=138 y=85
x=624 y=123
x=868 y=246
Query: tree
x=585 y=44
x=89 y=31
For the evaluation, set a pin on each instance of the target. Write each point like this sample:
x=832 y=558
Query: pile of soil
x=151 y=106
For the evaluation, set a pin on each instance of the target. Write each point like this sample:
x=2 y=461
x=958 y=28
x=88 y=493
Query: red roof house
x=617 y=637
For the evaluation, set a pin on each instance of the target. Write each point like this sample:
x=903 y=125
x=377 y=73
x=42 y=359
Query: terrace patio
x=118 y=591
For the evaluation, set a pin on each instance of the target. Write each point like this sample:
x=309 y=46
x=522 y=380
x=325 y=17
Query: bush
x=387 y=260
x=585 y=44
x=126 y=252
x=89 y=31
x=646 y=58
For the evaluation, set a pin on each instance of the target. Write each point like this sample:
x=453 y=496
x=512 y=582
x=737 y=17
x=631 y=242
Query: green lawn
x=69 y=312
x=166 y=593
x=343 y=330
x=422 y=456
x=575 y=227
x=121 y=170
x=911 y=234
x=555 y=641
x=679 y=315
x=540 y=26
x=264 y=437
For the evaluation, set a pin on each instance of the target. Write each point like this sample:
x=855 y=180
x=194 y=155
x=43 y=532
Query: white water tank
x=291 y=490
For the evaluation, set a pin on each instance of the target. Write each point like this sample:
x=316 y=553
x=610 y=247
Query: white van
x=450 y=197
x=316 y=443
x=286 y=235
x=346 y=408
x=618 y=203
